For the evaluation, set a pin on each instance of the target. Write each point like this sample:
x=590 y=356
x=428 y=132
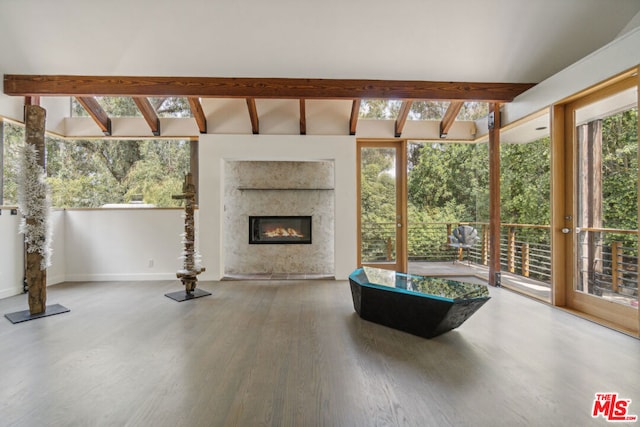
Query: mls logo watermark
x=612 y=408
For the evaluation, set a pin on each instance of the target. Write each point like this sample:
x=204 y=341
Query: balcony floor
x=476 y=273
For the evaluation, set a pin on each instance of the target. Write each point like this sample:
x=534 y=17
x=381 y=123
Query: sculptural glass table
x=423 y=306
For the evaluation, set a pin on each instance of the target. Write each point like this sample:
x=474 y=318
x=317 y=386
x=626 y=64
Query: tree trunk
x=37 y=283
x=35 y=276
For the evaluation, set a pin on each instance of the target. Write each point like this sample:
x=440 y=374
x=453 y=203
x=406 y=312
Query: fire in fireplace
x=279 y=230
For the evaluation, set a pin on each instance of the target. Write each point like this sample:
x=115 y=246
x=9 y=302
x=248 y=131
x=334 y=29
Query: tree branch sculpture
x=191 y=259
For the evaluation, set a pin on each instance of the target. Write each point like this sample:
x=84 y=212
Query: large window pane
x=94 y=173
x=607 y=197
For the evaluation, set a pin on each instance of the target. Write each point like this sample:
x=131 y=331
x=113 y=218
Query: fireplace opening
x=279 y=230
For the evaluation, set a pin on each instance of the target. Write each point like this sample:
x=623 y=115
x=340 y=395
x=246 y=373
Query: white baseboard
x=9 y=292
x=119 y=277
x=54 y=280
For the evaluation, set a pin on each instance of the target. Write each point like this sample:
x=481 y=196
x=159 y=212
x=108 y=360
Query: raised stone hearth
x=278 y=188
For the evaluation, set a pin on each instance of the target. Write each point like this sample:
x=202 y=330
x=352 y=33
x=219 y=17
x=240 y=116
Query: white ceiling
x=453 y=40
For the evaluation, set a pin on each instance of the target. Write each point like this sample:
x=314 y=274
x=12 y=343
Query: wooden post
x=525 y=259
x=511 y=250
x=485 y=245
x=562 y=215
x=494 y=194
x=616 y=254
x=36 y=277
x=389 y=249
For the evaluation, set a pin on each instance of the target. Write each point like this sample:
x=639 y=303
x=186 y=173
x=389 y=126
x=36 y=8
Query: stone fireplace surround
x=278 y=188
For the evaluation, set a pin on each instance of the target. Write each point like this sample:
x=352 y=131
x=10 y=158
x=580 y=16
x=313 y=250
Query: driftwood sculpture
x=34 y=206
x=191 y=260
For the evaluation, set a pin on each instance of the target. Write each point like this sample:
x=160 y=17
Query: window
x=12 y=137
x=123 y=106
x=94 y=173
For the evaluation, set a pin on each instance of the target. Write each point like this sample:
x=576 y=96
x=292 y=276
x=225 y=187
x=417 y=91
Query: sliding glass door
x=604 y=129
x=382 y=205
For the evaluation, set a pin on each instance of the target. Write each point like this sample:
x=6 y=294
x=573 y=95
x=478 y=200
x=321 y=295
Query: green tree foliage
x=160 y=172
x=117 y=170
x=451 y=178
x=171 y=107
x=379 y=109
x=382 y=109
x=13 y=139
x=119 y=106
x=118 y=156
x=448 y=184
x=94 y=173
x=378 y=200
x=620 y=170
x=525 y=189
x=91 y=173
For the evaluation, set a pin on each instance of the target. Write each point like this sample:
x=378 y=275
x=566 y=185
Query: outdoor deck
x=460 y=270
x=476 y=273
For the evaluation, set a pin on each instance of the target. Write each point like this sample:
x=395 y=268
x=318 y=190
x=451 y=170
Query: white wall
x=616 y=57
x=97 y=245
x=57 y=273
x=216 y=149
x=11 y=253
x=122 y=244
x=12 y=107
x=11 y=260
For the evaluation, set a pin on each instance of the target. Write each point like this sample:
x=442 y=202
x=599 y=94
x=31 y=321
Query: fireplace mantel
x=284 y=189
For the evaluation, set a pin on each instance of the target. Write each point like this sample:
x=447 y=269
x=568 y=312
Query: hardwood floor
x=294 y=353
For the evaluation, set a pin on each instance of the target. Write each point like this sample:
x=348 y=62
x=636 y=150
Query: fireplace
x=279 y=230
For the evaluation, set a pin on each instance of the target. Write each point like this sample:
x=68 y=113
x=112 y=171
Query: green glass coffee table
x=423 y=306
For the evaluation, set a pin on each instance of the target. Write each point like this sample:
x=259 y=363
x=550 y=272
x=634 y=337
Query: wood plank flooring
x=294 y=353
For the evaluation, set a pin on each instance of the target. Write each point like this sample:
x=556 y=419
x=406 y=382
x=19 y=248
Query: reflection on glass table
x=424 y=306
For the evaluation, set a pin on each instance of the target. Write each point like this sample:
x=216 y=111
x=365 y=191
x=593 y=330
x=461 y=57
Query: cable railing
x=525 y=249
x=608 y=258
x=608 y=264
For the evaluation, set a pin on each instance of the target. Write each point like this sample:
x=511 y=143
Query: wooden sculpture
x=191 y=262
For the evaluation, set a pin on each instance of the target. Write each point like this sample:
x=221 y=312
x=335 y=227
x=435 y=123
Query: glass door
x=382 y=205
x=605 y=191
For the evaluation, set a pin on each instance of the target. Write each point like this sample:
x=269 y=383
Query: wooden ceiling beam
x=198 y=114
x=303 y=117
x=402 y=117
x=149 y=114
x=355 y=113
x=450 y=117
x=249 y=87
x=253 y=116
x=91 y=106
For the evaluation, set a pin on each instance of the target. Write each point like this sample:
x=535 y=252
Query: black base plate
x=23 y=316
x=183 y=295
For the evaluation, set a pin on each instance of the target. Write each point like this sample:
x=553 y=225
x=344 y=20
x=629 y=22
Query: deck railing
x=608 y=262
x=525 y=250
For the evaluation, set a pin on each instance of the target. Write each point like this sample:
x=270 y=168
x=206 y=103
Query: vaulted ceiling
x=299 y=49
